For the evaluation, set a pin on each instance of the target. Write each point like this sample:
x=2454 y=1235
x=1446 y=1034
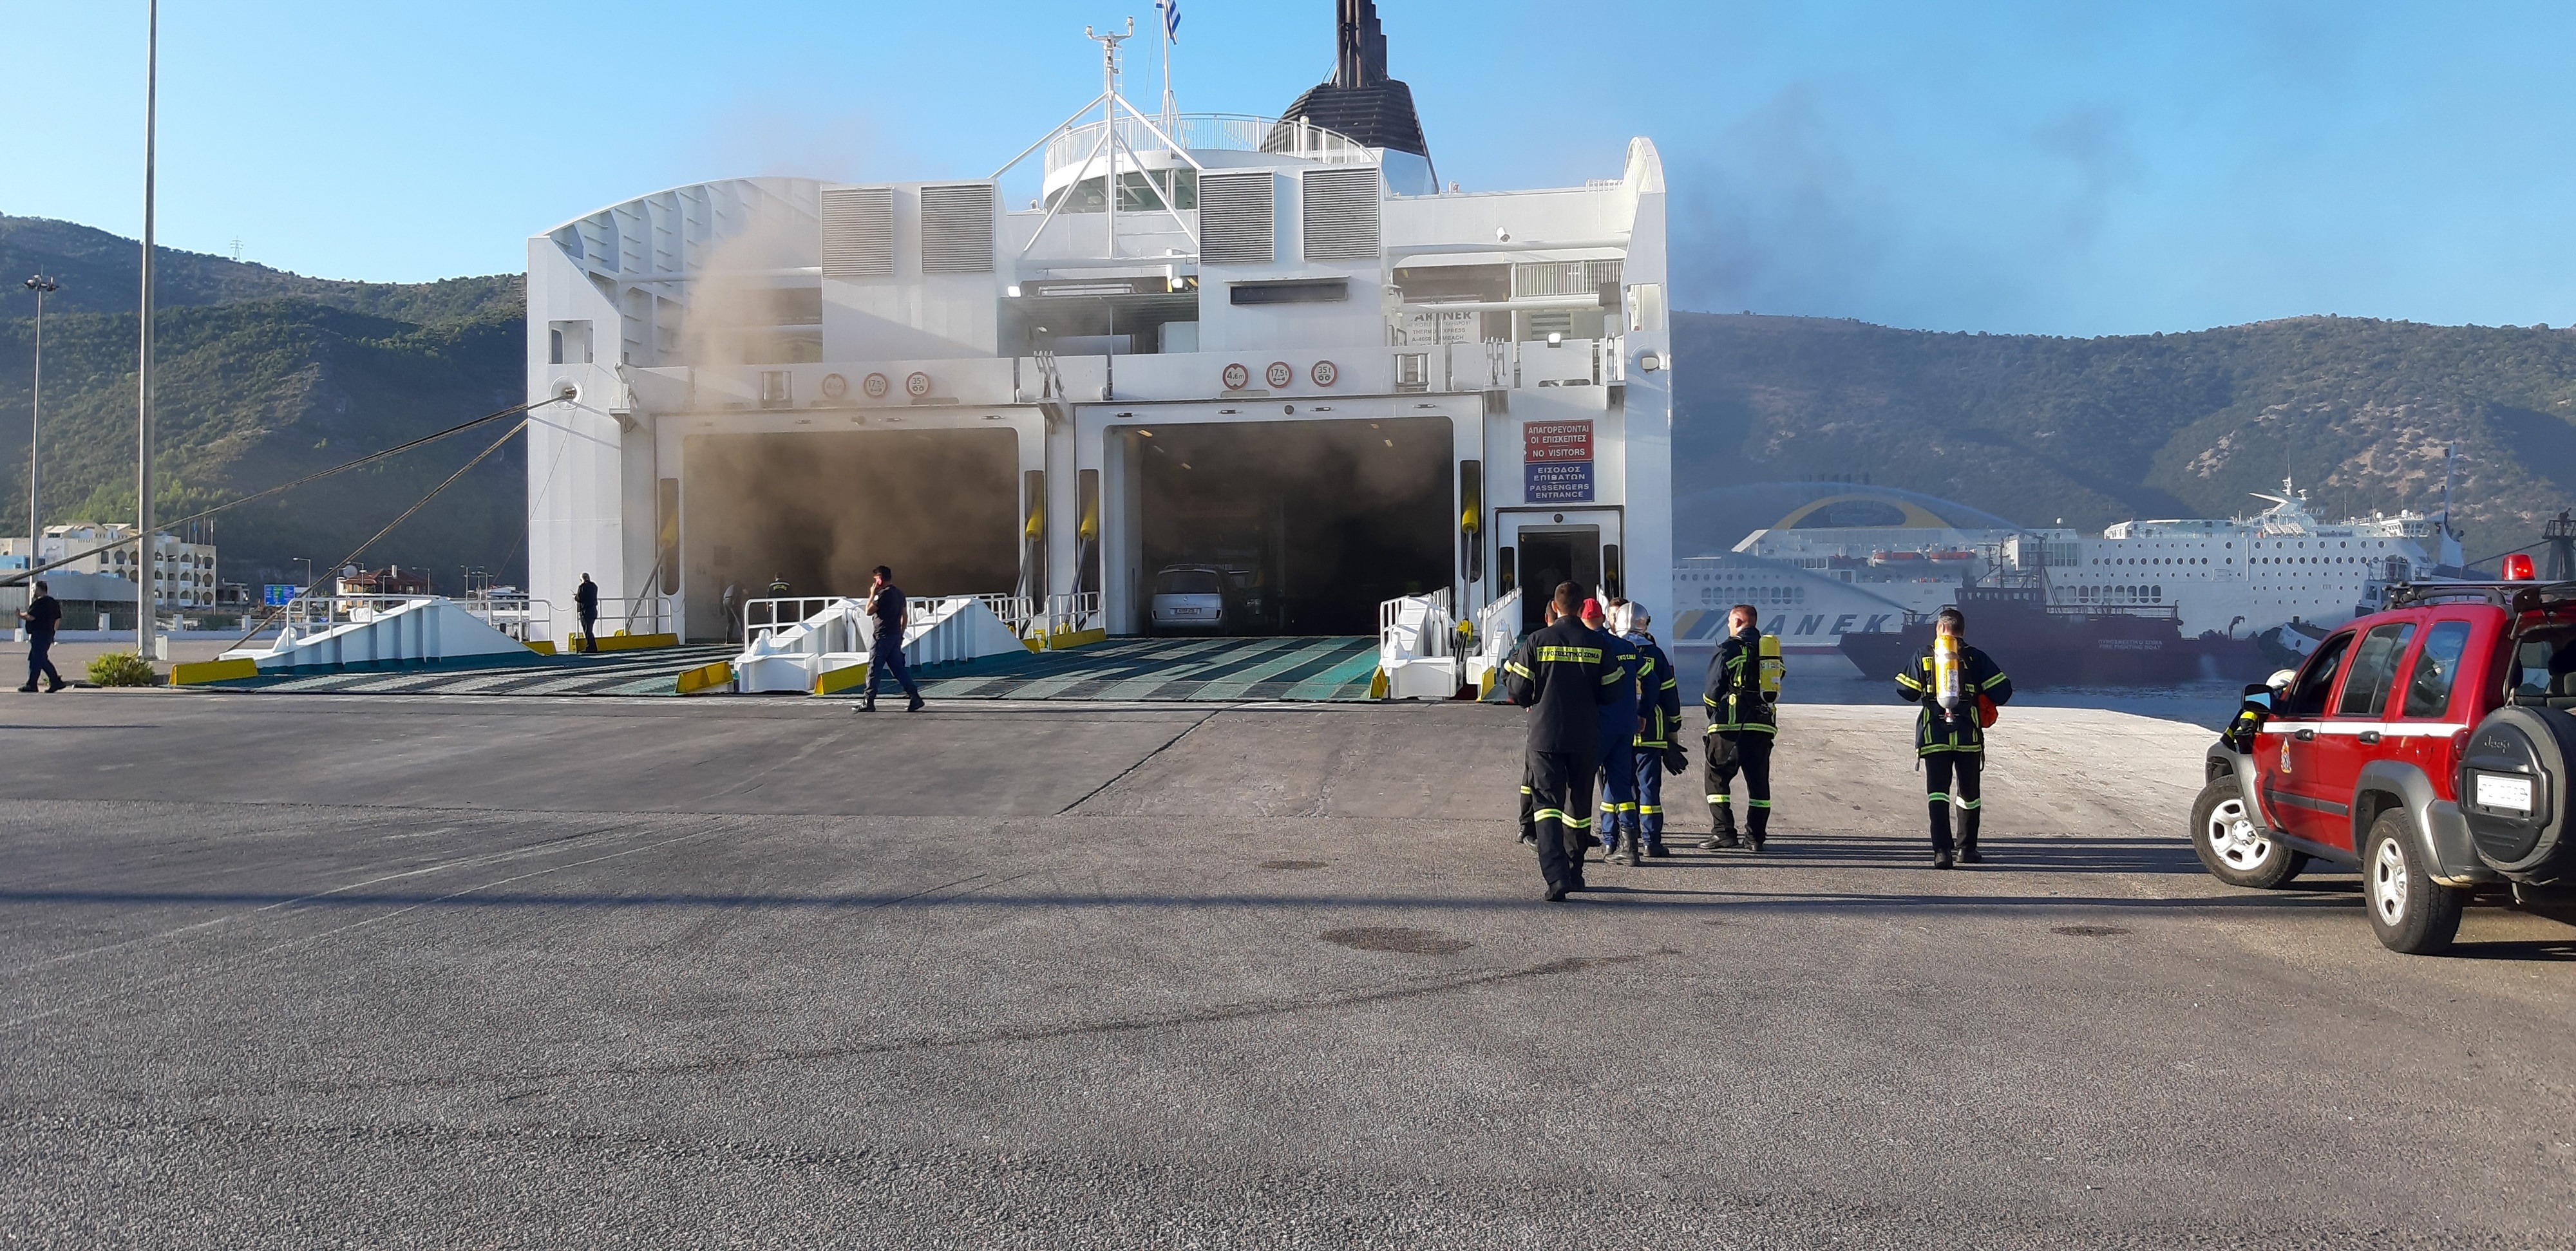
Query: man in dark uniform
x=1617 y=821
x=1557 y=673
x=1659 y=708
x=43 y=615
x=1949 y=735
x=885 y=655
x=585 y=603
x=1742 y=725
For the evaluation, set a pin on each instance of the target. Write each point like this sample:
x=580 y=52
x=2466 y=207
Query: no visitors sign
x=1556 y=462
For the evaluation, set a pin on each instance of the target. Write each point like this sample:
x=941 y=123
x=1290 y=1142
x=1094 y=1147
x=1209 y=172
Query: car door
x=2355 y=733
x=2424 y=717
x=2286 y=750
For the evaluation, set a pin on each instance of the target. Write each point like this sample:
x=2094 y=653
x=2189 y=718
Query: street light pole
x=147 y=608
x=42 y=286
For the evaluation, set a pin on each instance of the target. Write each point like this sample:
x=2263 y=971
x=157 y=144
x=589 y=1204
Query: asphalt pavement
x=463 y=972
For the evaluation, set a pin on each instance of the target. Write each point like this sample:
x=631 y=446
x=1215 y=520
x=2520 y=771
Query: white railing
x=766 y=616
x=1210 y=132
x=307 y=615
x=1414 y=646
x=1067 y=613
x=1498 y=632
x=1414 y=627
x=514 y=613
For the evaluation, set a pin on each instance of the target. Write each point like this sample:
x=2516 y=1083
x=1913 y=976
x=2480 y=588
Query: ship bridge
x=1155 y=350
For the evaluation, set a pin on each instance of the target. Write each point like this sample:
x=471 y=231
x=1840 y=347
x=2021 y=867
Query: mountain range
x=263 y=375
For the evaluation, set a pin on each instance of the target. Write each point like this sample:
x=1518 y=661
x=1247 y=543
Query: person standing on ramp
x=1557 y=673
x=1959 y=688
x=585 y=602
x=1742 y=725
x=885 y=655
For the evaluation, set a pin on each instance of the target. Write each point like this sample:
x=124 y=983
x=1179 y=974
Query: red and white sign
x=874 y=385
x=1325 y=373
x=917 y=384
x=1556 y=442
x=835 y=386
x=1279 y=375
x=1237 y=377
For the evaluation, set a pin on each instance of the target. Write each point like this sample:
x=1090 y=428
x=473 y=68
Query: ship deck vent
x=957 y=229
x=1341 y=214
x=1237 y=216
x=858 y=232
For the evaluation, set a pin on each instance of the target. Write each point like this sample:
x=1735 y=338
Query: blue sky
x=2064 y=168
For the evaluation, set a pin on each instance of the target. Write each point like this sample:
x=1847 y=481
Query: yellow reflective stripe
x=1569 y=655
x=1991 y=683
x=1652 y=810
x=1903 y=680
x=1717 y=799
x=1938 y=797
x=1970 y=803
x=1548 y=814
x=1514 y=668
x=1759 y=803
x=1612 y=678
x=1671 y=683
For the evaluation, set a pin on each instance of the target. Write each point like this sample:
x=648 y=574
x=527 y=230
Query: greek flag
x=1171 y=19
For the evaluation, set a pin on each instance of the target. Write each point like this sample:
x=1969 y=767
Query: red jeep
x=2428 y=745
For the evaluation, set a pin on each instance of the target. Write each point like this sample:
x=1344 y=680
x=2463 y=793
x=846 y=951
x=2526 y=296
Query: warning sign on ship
x=1237 y=377
x=874 y=385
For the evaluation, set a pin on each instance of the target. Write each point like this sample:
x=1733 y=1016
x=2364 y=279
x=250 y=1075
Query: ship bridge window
x=1139 y=191
x=1099 y=317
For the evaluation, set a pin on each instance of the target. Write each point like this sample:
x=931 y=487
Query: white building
x=183 y=573
x=1274 y=344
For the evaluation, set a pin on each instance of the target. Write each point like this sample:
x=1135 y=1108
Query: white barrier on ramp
x=1413 y=647
x=828 y=649
x=392 y=629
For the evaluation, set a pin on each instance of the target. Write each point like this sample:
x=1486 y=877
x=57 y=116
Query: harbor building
x=1280 y=347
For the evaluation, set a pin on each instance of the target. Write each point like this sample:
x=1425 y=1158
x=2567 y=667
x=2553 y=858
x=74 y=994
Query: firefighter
x=1742 y=725
x=1659 y=714
x=1557 y=673
x=1959 y=687
x=1618 y=738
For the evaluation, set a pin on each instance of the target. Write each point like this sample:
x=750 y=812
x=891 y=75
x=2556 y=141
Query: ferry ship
x=2274 y=577
x=1152 y=342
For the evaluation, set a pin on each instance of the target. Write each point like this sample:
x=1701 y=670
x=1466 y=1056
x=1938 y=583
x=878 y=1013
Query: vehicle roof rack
x=2517 y=596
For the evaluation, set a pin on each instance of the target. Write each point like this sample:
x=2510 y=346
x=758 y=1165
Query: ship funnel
x=1364 y=103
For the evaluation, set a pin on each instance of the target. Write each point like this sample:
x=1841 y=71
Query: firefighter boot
x=1721 y=818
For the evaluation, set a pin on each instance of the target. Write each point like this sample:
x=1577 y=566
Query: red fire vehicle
x=2428 y=745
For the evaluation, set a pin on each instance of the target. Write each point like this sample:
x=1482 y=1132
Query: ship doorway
x=1539 y=549
x=819 y=510
x=1308 y=526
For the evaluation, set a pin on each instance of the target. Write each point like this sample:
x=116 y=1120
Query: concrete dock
x=545 y=972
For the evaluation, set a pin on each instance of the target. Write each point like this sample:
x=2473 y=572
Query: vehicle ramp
x=1330 y=669
x=654 y=671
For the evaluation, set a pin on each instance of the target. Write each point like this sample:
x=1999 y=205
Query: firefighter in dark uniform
x=1742 y=725
x=1617 y=820
x=1659 y=714
x=1557 y=673
x=1949 y=734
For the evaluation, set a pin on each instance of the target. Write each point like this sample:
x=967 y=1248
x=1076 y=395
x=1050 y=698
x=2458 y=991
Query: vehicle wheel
x=2411 y=913
x=2232 y=846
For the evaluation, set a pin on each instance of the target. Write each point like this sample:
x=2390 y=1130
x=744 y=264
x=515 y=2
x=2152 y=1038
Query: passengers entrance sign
x=1556 y=462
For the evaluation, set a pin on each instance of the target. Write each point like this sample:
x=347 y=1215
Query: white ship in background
x=2269 y=574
